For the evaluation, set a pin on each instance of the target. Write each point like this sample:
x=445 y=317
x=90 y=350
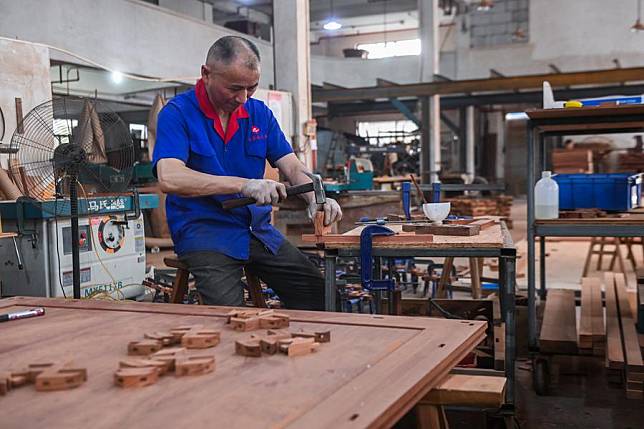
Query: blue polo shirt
x=189 y=129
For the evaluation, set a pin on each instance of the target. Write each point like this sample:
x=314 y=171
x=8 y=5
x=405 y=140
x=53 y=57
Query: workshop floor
x=579 y=399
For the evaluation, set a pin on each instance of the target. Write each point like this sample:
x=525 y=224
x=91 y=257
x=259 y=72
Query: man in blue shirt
x=212 y=145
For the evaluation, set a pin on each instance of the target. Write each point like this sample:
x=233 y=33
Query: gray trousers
x=296 y=280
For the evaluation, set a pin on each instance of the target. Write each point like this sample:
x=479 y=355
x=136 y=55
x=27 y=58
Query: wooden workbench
x=373 y=371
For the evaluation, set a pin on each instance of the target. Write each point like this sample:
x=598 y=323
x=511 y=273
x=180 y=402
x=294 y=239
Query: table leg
x=507 y=280
x=542 y=268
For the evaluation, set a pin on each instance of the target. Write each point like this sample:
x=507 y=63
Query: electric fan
x=67 y=143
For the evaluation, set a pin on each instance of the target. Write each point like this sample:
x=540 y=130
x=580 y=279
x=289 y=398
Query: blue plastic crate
x=611 y=192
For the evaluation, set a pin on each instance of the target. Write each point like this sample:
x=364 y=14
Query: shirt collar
x=209 y=111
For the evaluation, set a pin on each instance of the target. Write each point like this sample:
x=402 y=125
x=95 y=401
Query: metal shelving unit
x=560 y=122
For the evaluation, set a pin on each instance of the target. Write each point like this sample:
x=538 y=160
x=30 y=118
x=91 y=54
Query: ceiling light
x=332 y=25
x=117 y=76
x=485 y=5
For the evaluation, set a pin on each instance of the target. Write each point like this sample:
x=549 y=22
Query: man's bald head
x=229 y=49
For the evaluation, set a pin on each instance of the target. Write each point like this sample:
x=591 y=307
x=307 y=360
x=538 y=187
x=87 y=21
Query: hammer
x=315 y=186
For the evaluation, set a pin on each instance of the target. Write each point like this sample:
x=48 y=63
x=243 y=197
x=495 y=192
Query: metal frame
x=567 y=124
x=507 y=284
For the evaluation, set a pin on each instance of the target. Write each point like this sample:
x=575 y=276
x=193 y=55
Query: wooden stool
x=459 y=389
x=476 y=272
x=616 y=254
x=180 y=284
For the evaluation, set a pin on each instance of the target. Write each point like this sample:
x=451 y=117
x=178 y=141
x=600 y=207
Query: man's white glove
x=264 y=191
x=332 y=211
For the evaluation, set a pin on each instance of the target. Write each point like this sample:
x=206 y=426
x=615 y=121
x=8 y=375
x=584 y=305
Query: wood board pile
x=623 y=353
x=630 y=162
x=572 y=161
x=592 y=332
x=496 y=206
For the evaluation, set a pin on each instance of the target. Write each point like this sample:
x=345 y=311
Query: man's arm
x=175 y=178
x=294 y=170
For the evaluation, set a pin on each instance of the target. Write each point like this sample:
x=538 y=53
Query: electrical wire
x=104 y=67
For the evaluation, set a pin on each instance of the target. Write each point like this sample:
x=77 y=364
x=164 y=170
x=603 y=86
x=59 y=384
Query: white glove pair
x=264 y=191
x=332 y=211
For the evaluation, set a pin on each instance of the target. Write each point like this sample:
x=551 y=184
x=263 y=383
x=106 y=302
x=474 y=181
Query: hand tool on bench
x=24 y=314
x=436 y=192
x=366 y=266
x=315 y=186
x=406 y=198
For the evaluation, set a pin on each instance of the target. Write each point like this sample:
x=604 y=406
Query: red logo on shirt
x=255 y=129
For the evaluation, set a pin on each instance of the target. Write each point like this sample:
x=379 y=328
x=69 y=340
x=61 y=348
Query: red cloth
x=209 y=111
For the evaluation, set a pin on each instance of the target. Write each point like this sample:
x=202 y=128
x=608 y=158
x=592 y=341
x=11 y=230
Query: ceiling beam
x=597 y=77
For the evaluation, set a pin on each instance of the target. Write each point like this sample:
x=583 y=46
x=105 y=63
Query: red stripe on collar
x=209 y=111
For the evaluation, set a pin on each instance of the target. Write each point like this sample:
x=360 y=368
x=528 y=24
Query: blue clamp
x=406 y=199
x=366 y=261
x=436 y=192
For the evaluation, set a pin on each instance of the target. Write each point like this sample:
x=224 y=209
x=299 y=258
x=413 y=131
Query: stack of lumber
x=465 y=206
x=630 y=162
x=559 y=326
x=623 y=353
x=572 y=161
x=592 y=333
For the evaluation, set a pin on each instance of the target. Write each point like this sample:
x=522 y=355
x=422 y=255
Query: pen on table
x=33 y=312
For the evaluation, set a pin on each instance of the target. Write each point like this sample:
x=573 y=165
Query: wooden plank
x=472 y=390
x=585 y=321
x=559 y=327
x=614 y=351
x=597 y=317
x=408 y=355
x=458 y=230
x=630 y=341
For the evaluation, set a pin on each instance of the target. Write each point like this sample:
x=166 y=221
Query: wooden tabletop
x=492 y=237
x=585 y=112
x=373 y=371
x=634 y=218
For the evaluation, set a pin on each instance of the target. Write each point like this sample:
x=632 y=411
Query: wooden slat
x=614 y=351
x=472 y=390
x=597 y=317
x=559 y=327
x=630 y=341
x=585 y=321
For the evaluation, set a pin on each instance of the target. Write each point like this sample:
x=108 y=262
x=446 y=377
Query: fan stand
x=68 y=158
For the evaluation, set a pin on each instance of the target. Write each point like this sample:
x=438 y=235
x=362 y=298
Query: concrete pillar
x=293 y=67
x=499 y=121
x=469 y=143
x=429 y=20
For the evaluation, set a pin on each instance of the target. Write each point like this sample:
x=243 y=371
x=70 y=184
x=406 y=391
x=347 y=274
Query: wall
x=25 y=74
x=128 y=35
x=574 y=35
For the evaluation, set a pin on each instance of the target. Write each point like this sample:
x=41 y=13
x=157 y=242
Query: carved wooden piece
x=161 y=366
x=200 y=338
x=301 y=347
x=318 y=337
x=194 y=365
x=248 y=348
x=143 y=347
x=169 y=356
x=136 y=377
x=166 y=338
x=56 y=376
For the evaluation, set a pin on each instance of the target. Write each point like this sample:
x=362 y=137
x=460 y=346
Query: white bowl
x=436 y=212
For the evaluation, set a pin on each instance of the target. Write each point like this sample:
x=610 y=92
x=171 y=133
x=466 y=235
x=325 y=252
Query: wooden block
x=169 y=356
x=194 y=365
x=453 y=230
x=58 y=376
x=268 y=345
x=143 y=347
x=161 y=366
x=318 y=337
x=136 y=377
x=301 y=346
x=5 y=383
x=585 y=322
x=471 y=390
x=630 y=340
x=245 y=325
x=318 y=224
x=200 y=338
x=166 y=338
x=248 y=348
x=272 y=322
